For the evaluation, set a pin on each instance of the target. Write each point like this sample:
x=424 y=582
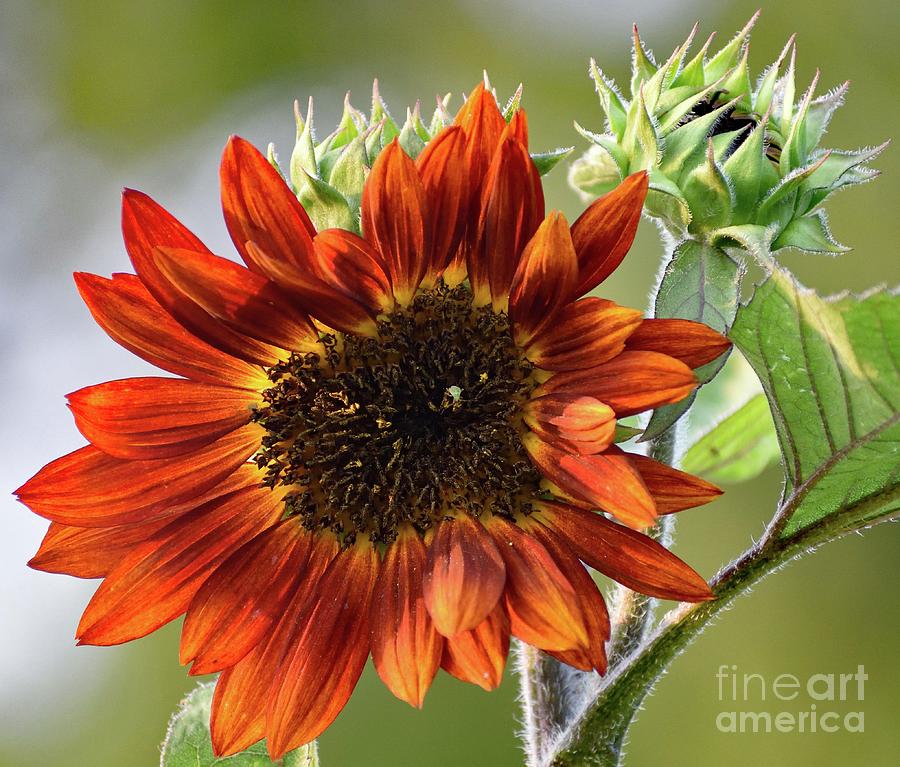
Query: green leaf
x=547 y=161
x=738 y=448
x=303 y=158
x=829 y=369
x=610 y=101
x=326 y=206
x=700 y=283
x=188 y=744
x=348 y=173
x=625 y=433
x=664 y=201
x=810 y=233
x=709 y=195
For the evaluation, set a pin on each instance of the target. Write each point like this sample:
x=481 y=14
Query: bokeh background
x=99 y=95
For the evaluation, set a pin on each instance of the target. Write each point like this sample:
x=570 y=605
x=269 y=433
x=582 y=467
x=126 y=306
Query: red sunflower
x=398 y=444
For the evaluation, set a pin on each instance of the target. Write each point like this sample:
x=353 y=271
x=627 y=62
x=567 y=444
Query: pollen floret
x=729 y=162
x=416 y=425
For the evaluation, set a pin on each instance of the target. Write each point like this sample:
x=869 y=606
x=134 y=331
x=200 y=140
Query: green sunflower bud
x=729 y=162
x=328 y=175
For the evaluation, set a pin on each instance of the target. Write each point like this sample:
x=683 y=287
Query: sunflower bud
x=328 y=175
x=728 y=162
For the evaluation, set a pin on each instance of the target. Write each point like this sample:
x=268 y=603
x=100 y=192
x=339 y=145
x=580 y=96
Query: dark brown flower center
x=409 y=427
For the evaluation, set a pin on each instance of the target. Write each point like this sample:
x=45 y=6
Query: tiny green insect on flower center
x=411 y=426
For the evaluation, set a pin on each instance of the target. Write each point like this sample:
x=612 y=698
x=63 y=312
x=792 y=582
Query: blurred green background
x=97 y=95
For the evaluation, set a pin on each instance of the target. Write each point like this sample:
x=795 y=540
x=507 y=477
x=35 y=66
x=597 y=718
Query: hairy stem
x=544 y=691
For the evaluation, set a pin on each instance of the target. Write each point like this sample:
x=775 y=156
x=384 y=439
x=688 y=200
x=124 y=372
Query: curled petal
x=583 y=334
x=673 y=490
x=349 y=264
x=147 y=226
x=259 y=207
x=442 y=168
x=606 y=480
x=541 y=602
x=248 y=592
x=90 y=552
x=633 y=559
x=604 y=232
x=479 y=656
x=88 y=488
x=512 y=208
x=156 y=580
x=576 y=424
x=124 y=308
x=138 y=418
x=629 y=383
x=238 y=715
x=395 y=219
x=323 y=301
x=406 y=648
x=464 y=575
x=693 y=343
x=326 y=657
x=544 y=278
x=245 y=301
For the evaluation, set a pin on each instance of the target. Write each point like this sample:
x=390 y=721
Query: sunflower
x=399 y=444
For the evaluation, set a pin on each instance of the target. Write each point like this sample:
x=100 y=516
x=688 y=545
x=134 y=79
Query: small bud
x=728 y=161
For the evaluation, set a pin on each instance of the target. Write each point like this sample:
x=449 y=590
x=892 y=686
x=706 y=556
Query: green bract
x=729 y=163
x=328 y=175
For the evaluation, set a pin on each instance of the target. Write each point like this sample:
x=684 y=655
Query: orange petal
x=479 y=656
x=693 y=343
x=321 y=668
x=442 y=168
x=247 y=302
x=464 y=575
x=544 y=278
x=88 y=488
x=90 y=552
x=583 y=334
x=633 y=559
x=518 y=127
x=629 y=383
x=604 y=232
x=259 y=207
x=395 y=219
x=323 y=301
x=238 y=715
x=147 y=226
x=606 y=480
x=125 y=309
x=406 y=648
x=156 y=581
x=349 y=264
x=512 y=208
x=576 y=424
x=483 y=124
x=541 y=602
x=241 y=600
x=136 y=418
x=673 y=490
x=590 y=600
